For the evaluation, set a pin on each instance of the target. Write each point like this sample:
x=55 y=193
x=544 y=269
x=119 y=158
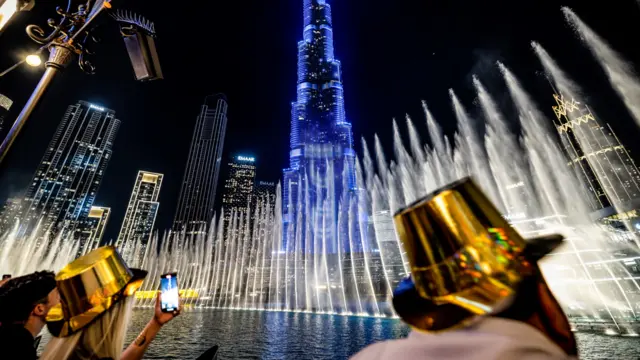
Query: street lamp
x=33 y=60
x=8 y=8
x=70 y=38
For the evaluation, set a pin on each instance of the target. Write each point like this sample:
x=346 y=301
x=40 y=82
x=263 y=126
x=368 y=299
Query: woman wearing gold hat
x=476 y=291
x=96 y=300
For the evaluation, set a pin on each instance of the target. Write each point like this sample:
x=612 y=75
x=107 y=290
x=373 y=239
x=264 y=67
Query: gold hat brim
x=429 y=315
x=59 y=327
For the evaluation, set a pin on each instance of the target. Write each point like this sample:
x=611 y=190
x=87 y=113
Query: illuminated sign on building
x=99 y=108
x=246 y=158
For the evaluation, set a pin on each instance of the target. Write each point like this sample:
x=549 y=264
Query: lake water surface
x=299 y=336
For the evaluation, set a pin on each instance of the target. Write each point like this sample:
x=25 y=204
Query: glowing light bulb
x=34 y=60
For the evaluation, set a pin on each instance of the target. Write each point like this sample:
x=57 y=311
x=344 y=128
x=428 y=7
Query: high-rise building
x=198 y=192
x=598 y=157
x=140 y=216
x=92 y=228
x=5 y=106
x=322 y=159
x=66 y=182
x=265 y=194
x=239 y=187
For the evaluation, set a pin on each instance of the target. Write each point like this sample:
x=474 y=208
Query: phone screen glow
x=169 y=297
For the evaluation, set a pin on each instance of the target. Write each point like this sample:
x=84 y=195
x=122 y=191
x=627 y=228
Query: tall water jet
x=602 y=162
x=471 y=147
x=620 y=73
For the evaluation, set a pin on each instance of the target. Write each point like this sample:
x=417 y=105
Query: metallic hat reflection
x=465 y=258
x=89 y=286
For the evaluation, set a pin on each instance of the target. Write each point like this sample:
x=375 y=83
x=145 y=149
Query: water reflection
x=300 y=336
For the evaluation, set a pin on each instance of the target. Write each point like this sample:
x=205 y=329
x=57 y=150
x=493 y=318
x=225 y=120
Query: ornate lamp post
x=71 y=39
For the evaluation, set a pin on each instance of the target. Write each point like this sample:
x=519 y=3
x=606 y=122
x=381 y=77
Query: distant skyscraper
x=92 y=228
x=198 y=192
x=596 y=154
x=239 y=187
x=5 y=106
x=142 y=209
x=265 y=193
x=322 y=159
x=66 y=183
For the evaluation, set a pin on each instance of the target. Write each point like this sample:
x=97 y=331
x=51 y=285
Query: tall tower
x=321 y=171
x=198 y=192
x=92 y=228
x=239 y=187
x=65 y=184
x=140 y=217
x=598 y=157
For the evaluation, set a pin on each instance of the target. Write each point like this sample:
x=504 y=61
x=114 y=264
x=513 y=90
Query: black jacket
x=16 y=342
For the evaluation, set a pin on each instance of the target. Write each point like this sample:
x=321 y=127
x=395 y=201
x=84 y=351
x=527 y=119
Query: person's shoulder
x=16 y=343
x=390 y=349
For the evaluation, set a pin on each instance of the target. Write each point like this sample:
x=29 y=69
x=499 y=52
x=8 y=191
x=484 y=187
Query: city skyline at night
x=67 y=181
x=158 y=119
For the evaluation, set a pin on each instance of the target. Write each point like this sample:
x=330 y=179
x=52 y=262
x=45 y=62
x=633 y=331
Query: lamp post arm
x=16 y=65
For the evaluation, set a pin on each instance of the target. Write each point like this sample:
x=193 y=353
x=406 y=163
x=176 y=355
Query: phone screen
x=169 y=297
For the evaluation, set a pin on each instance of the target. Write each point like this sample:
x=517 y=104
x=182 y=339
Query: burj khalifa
x=320 y=179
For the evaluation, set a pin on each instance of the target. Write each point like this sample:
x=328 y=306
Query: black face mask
x=529 y=301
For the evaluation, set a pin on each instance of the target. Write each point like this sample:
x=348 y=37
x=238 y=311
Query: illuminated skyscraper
x=66 y=183
x=142 y=209
x=198 y=192
x=265 y=193
x=596 y=154
x=239 y=187
x=92 y=228
x=5 y=106
x=322 y=158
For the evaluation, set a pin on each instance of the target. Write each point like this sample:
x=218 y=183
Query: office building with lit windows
x=322 y=159
x=597 y=156
x=91 y=229
x=239 y=188
x=5 y=106
x=67 y=180
x=265 y=194
x=140 y=217
x=198 y=191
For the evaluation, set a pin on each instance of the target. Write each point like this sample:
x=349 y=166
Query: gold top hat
x=465 y=258
x=89 y=286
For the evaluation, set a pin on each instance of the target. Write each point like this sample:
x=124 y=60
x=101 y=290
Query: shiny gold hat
x=89 y=286
x=466 y=260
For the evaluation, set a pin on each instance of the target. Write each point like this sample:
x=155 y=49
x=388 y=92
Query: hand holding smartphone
x=169 y=294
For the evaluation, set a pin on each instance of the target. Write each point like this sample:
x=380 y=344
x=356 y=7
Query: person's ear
x=39 y=310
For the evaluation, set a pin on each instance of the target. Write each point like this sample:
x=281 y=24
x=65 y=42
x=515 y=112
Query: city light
x=96 y=107
x=246 y=158
x=8 y=8
x=33 y=60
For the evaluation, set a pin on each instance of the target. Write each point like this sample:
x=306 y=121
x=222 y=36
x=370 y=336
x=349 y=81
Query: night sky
x=394 y=54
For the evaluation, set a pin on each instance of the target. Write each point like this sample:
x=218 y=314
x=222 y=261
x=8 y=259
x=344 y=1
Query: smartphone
x=6 y=276
x=169 y=297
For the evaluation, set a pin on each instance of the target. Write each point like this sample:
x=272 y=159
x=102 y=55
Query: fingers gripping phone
x=169 y=296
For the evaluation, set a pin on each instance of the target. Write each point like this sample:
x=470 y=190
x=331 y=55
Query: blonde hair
x=102 y=339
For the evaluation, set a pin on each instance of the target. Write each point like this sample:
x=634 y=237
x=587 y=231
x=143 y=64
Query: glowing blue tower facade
x=321 y=174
